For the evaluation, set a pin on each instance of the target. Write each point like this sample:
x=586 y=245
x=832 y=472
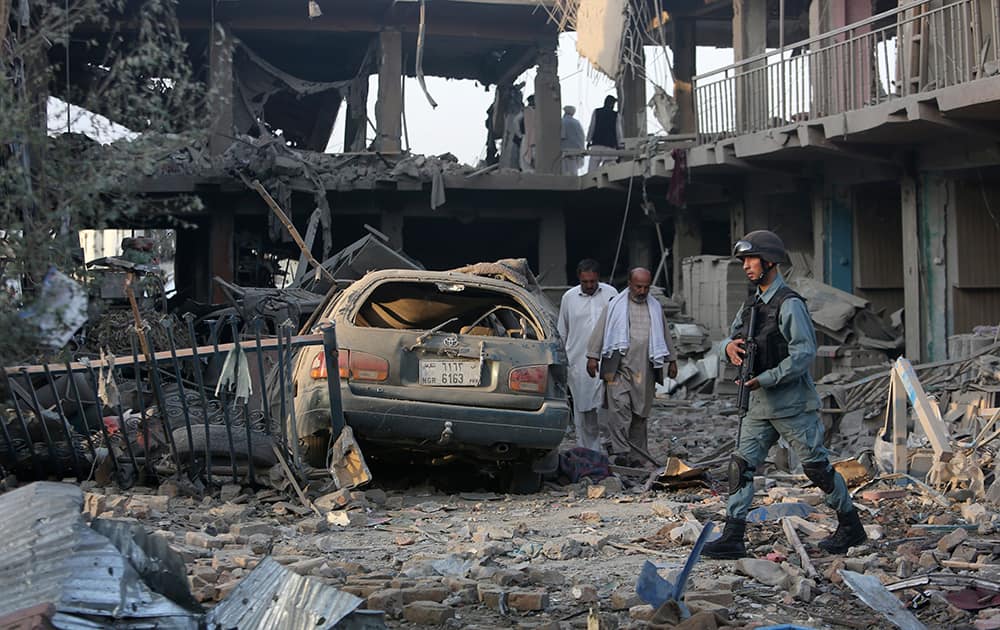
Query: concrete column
x=687 y=243
x=638 y=245
x=552 y=248
x=935 y=198
x=548 y=105
x=632 y=99
x=221 y=88
x=911 y=268
x=356 y=123
x=222 y=245
x=389 y=107
x=392 y=226
x=750 y=40
x=737 y=221
x=683 y=48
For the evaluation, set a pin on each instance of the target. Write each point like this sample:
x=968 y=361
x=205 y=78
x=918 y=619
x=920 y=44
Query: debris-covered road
x=428 y=549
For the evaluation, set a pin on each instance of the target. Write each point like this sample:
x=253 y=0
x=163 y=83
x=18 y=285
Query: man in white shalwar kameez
x=579 y=311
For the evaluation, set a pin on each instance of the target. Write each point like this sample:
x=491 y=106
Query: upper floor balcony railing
x=916 y=48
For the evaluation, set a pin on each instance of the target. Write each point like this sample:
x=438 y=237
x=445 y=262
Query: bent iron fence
x=919 y=47
x=213 y=413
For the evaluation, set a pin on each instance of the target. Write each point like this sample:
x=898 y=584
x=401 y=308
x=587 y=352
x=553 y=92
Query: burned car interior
x=447 y=307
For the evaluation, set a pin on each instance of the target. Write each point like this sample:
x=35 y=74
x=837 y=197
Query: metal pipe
x=227 y=420
x=83 y=411
x=169 y=325
x=137 y=372
x=189 y=318
x=332 y=357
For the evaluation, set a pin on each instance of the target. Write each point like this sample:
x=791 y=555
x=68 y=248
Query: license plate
x=451 y=373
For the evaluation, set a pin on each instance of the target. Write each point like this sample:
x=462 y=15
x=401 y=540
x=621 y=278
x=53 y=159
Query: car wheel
x=521 y=479
x=315 y=449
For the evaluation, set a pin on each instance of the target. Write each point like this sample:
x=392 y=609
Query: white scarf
x=616 y=337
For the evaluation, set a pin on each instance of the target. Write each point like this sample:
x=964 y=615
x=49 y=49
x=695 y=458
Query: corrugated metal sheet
x=274 y=597
x=51 y=556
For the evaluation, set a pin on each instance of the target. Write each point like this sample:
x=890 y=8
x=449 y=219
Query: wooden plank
x=897 y=401
x=793 y=538
x=927 y=413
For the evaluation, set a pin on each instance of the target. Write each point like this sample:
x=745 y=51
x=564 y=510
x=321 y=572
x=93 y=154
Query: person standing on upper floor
x=630 y=347
x=571 y=138
x=529 y=121
x=605 y=133
x=579 y=311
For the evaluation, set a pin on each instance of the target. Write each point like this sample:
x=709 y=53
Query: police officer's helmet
x=763 y=243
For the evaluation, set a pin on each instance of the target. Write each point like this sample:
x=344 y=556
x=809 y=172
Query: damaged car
x=439 y=363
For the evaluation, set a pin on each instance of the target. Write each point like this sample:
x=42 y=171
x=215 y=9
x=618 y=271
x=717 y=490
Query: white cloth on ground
x=616 y=337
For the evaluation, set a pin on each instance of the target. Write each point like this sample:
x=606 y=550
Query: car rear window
x=448 y=307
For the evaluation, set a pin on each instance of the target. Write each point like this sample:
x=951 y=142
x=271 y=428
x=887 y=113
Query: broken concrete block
x=764 y=571
x=928 y=560
x=976 y=513
x=965 y=553
x=596 y=492
x=545 y=577
x=424 y=593
x=230 y=491
x=562 y=549
x=389 y=600
x=203 y=540
x=334 y=500
x=347 y=519
x=427 y=613
x=642 y=612
x=624 y=599
x=948 y=542
x=526 y=601
x=686 y=533
x=251 y=528
x=669 y=509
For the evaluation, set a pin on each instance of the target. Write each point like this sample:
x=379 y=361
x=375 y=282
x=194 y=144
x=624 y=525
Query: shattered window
x=447 y=307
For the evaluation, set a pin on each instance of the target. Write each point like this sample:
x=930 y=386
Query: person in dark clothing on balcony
x=605 y=133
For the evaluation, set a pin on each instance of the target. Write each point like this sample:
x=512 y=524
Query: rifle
x=746 y=371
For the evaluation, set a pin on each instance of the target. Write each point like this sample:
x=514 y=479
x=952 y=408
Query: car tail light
x=531 y=379
x=368 y=367
x=318 y=368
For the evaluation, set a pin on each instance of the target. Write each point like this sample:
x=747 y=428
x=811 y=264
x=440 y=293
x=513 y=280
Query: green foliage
x=132 y=67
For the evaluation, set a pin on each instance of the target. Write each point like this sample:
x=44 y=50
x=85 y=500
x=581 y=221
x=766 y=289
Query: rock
x=251 y=528
x=168 y=489
x=347 y=518
x=230 y=491
x=148 y=506
x=562 y=549
x=425 y=593
x=976 y=514
x=928 y=560
x=389 y=600
x=545 y=577
x=952 y=540
x=686 y=533
x=965 y=553
x=376 y=496
x=764 y=571
x=802 y=589
x=875 y=532
x=508 y=577
x=589 y=540
x=334 y=500
x=590 y=517
x=642 y=612
x=313 y=525
x=200 y=539
x=596 y=492
x=260 y=544
x=584 y=593
x=624 y=599
x=904 y=567
x=946 y=518
x=669 y=509
x=95 y=504
x=612 y=485
x=427 y=613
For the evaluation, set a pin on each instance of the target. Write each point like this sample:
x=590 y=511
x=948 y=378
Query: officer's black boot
x=850 y=532
x=730 y=546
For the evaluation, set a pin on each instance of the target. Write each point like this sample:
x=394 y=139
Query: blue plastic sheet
x=655 y=590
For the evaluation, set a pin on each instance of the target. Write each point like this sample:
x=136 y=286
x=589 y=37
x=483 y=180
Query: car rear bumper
x=390 y=420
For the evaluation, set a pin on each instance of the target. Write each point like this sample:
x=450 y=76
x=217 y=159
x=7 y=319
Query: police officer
x=783 y=399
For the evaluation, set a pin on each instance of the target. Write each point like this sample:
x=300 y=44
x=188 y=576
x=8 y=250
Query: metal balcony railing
x=916 y=48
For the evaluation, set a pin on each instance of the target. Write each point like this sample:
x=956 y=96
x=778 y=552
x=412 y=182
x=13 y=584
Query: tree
x=126 y=69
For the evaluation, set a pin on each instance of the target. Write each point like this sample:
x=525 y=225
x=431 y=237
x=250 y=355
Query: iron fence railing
x=214 y=412
x=916 y=48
